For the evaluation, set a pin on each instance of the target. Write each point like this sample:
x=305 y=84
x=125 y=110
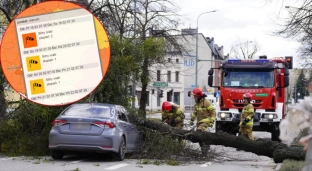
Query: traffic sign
x=218 y=94
x=160 y=84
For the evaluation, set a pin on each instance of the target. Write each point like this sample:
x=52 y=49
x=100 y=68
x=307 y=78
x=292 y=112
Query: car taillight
x=59 y=122
x=104 y=124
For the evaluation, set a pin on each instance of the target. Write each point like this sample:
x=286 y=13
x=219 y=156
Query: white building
x=179 y=73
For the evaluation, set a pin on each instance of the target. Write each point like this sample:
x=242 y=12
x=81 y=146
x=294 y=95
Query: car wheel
x=57 y=154
x=120 y=155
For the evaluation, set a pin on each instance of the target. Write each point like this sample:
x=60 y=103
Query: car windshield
x=248 y=79
x=90 y=111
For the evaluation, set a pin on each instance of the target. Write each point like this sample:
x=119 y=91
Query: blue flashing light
x=248 y=60
x=234 y=60
x=262 y=60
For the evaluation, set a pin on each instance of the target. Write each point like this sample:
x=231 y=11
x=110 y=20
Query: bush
x=291 y=165
x=26 y=132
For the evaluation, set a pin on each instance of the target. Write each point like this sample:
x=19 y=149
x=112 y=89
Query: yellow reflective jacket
x=204 y=112
x=176 y=113
x=247 y=112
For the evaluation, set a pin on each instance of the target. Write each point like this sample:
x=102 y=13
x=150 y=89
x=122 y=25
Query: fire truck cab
x=266 y=79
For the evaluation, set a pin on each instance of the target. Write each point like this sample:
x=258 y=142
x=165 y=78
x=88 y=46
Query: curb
x=278 y=167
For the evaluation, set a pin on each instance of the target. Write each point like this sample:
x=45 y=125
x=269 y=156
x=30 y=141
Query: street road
x=228 y=159
x=70 y=163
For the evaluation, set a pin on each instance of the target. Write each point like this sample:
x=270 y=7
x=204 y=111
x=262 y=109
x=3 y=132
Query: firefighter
x=246 y=120
x=205 y=114
x=172 y=114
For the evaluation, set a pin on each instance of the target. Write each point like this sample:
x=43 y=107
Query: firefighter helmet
x=197 y=92
x=166 y=106
x=247 y=96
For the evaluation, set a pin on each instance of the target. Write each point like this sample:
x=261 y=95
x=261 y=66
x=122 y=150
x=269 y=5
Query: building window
x=158 y=99
x=177 y=76
x=169 y=59
x=148 y=96
x=169 y=76
x=158 y=75
x=176 y=98
x=177 y=60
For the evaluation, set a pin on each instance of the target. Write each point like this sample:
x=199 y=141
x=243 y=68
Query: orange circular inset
x=55 y=53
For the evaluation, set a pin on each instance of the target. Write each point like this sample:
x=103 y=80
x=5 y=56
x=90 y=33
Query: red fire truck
x=266 y=79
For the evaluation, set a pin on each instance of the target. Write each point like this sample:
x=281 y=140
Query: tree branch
x=7 y=15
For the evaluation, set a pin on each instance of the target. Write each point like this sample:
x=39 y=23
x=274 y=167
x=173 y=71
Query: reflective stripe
x=201 y=109
x=248 y=123
x=207 y=120
x=210 y=107
x=248 y=111
x=248 y=117
x=170 y=114
x=179 y=111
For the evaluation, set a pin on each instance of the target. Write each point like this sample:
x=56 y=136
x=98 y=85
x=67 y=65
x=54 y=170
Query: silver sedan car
x=93 y=127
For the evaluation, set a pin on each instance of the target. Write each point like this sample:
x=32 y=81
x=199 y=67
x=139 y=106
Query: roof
x=214 y=47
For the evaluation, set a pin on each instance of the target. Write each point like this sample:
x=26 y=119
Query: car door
x=135 y=135
x=125 y=126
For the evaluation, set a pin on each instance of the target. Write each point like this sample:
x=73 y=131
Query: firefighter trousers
x=203 y=146
x=246 y=130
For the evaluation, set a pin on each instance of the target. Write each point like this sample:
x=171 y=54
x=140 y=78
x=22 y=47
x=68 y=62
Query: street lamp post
x=133 y=74
x=196 y=60
x=238 y=45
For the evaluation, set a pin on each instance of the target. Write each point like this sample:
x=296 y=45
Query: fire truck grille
x=240 y=103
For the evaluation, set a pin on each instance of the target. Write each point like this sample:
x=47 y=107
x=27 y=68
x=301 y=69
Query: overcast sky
x=237 y=21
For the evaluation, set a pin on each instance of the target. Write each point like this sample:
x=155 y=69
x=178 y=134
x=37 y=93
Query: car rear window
x=98 y=111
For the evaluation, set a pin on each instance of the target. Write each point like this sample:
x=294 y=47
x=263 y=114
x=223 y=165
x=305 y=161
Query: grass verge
x=291 y=165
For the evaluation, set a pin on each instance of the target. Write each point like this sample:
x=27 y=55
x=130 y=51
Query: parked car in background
x=94 y=127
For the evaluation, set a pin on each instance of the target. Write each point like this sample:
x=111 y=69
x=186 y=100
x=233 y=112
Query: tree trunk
x=273 y=149
x=3 y=105
x=2 y=102
x=144 y=81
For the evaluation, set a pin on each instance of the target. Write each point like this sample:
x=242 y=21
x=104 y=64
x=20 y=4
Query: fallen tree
x=278 y=151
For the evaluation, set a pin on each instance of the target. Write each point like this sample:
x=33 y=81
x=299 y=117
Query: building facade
x=174 y=79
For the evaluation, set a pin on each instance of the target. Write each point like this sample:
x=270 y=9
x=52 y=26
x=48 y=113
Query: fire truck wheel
x=229 y=128
x=275 y=134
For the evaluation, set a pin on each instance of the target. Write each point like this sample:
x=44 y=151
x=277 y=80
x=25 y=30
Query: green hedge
x=26 y=132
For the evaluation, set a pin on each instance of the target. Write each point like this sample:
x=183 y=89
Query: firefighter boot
x=239 y=134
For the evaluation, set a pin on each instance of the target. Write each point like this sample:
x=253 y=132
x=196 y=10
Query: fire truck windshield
x=248 y=79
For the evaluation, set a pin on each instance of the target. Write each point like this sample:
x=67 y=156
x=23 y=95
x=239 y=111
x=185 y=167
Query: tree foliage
x=26 y=130
x=301 y=87
x=298 y=26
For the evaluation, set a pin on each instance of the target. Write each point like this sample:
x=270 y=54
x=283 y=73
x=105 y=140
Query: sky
x=239 y=21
